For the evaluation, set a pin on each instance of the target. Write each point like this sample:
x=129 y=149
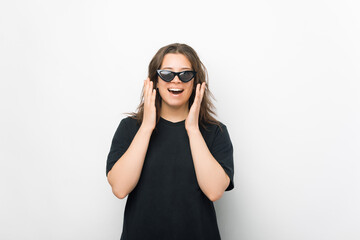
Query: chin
x=174 y=104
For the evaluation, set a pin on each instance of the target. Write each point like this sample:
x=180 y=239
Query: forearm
x=210 y=175
x=125 y=173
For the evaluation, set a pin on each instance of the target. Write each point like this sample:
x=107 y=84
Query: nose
x=176 y=79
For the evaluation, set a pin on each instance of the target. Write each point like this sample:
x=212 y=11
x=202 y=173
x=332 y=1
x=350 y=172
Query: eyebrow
x=183 y=68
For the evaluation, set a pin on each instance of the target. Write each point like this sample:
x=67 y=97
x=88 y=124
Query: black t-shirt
x=167 y=202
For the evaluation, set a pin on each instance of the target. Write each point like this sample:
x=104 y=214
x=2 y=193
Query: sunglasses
x=168 y=76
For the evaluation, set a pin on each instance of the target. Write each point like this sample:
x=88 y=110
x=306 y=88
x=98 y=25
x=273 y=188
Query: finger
x=199 y=91
x=197 y=94
x=153 y=97
x=150 y=90
x=203 y=88
x=145 y=90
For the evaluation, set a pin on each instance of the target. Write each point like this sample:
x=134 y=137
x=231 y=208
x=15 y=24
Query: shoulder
x=212 y=128
x=212 y=132
x=130 y=125
x=129 y=121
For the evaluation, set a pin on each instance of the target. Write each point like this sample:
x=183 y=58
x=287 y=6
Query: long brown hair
x=207 y=108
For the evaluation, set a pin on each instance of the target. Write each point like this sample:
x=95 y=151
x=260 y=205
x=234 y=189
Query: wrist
x=146 y=129
x=192 y=130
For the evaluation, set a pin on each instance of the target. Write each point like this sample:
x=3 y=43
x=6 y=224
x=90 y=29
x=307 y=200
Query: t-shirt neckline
x=169 y=123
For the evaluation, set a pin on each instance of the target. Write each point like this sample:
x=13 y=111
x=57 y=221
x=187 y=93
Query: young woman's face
x=175 y=62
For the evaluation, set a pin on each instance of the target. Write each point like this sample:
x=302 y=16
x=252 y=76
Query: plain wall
x=285 y=75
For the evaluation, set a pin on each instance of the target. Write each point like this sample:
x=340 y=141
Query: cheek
x=159 y=85
x=162 y=89
x=191 y=88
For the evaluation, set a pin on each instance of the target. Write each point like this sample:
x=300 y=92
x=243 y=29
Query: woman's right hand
x=149 y=117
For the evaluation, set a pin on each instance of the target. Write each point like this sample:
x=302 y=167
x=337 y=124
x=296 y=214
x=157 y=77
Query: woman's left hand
x=192 y=120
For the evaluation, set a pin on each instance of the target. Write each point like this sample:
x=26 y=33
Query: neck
x=174 y=114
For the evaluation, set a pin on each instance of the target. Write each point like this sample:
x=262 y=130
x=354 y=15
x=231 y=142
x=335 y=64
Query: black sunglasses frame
x=175 y=74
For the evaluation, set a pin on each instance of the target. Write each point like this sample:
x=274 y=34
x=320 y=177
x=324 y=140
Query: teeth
x=175 y=90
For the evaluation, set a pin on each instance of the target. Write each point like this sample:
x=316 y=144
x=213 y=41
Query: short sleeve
x=222 y=151
x=120 y=143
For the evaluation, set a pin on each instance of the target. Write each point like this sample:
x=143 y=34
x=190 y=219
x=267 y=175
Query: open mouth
x=175 y=91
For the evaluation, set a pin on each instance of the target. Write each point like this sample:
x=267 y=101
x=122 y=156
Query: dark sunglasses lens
x=166 y=76
x=186 y=76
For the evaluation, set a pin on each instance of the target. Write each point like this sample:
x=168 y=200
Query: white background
x=285 y=75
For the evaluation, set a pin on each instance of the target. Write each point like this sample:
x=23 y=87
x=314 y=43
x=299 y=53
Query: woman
x=171 y=157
